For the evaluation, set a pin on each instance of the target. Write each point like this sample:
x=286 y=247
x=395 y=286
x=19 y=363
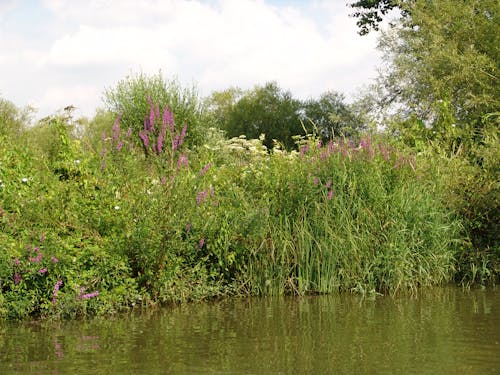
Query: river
x=439 y=331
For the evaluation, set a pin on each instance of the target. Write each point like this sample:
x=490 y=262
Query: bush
x=133 y=96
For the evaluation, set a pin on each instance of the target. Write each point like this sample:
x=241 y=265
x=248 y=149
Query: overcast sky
x=54 y=53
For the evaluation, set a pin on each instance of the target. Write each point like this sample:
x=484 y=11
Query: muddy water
x=442 y=331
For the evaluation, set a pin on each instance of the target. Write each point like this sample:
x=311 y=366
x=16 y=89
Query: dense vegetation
x=153 y=202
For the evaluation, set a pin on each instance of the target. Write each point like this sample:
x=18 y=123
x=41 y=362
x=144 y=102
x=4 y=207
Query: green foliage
x=12 y=119
x=349 y=217
x=93 y=229
x=370 y=13
x=132 y=96
x=444 y=53
x=330 y=116
x=265 y=110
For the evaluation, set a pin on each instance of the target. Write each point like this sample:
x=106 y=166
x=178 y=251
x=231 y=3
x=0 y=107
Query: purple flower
x=330 y=195
x=168 y=119
x=103 y=152
x=304 y=149
x=119 y=146
x=175 y=142
x=151 y=114
x=17 y=262
x=182 y=162
x=17 y=278
x=42 y=238
x=144 y=136
x=147 y=125
x=183 y=135
x=163 y=180
x=56 y=290
x=43 y=270
x=89 y=295
x=54 y=259
x=201 y=197
x=36 y=259
x=129 y=133
x=151 y=118
x=331 y=146
x=328 y=184
x=205 y=169
x=316 y=181
x=365 y=143
x=160 y=138
x=202 y=242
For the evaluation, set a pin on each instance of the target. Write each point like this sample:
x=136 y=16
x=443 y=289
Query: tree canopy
x=371 y=12
x=443 y=64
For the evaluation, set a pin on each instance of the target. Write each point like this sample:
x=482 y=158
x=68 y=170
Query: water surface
x=443 y=331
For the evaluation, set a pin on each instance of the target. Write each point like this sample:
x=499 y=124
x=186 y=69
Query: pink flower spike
x=202 y=242
x=17 y=278
x=328 y=184
x=54 y=259
x=330 y=195
x=17 y=262
x=205 y=169
x=168 y=119
x=183 y=135
x=201 y=197
x=89 y=295
x=182 y=162
x=43 y=270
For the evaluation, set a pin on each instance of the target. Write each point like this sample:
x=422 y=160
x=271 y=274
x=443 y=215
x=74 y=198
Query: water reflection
x=440 y=331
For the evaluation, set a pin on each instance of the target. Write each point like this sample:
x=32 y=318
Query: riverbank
x=143 y=219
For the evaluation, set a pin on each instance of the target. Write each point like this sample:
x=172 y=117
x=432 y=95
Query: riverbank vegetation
x=165 y=197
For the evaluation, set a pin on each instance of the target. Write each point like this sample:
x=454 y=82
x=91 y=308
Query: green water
x=445 y=331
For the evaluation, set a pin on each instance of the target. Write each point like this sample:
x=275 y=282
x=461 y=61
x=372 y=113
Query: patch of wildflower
x=33 y=263
x=83 y=295
x=55 y=290
x=205 y=169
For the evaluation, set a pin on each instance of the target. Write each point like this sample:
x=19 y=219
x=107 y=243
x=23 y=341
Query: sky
x=55 y=53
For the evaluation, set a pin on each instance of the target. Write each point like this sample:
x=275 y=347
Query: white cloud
x=308 y=49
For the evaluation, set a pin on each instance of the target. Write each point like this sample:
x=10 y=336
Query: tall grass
x=353 y=218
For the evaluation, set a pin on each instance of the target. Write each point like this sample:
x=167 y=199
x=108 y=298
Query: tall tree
x=444 y=61
x=330 y=115
x=265 y=110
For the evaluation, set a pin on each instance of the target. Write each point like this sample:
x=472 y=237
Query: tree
x=13 y=120
x=330 y=115
x=371 y=12
x=443 y=63
x=265 y=110
x=220 y=104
